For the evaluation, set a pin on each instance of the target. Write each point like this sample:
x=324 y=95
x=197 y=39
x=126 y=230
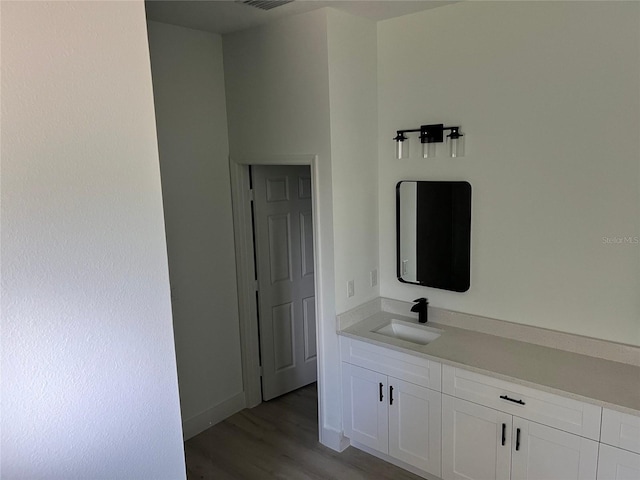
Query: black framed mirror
x=433 y=234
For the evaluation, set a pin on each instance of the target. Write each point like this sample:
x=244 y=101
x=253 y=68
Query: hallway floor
x=279 y=440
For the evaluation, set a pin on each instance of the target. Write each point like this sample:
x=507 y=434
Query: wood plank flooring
x=279 y=440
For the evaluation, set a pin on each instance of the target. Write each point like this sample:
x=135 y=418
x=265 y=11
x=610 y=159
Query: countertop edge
x=371 y=323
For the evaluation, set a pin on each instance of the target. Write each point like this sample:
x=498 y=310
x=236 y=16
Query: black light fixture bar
x=429 y=134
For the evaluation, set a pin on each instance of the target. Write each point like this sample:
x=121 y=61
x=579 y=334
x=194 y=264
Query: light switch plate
x=350 y=288
x=373 y=277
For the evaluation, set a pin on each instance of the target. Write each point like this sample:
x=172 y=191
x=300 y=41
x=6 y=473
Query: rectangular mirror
x=433 y=233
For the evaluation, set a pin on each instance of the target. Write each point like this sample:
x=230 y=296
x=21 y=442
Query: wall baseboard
x=395 y=461
x=334 y=439
x=199 y=423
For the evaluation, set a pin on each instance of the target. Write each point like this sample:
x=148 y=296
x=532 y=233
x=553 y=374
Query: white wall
x=89 y=385
x=293 y=87
x=547 y=93
x=188 y=84
x=277 y=88
x=354 y=123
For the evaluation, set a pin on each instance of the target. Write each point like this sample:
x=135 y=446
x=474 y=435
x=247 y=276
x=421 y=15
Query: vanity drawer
x=403 y=366
x=563 y=413
x=620 y=430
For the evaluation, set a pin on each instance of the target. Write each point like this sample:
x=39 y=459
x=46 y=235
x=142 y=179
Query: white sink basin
x=410 y=332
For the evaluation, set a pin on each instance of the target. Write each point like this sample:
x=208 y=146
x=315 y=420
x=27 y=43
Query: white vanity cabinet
x=365 y=409
x=388 y=405
x=497 y=429
x=542 y=452
x=456 y=424
x=619 y=457
x=475 y=441
x=617 y=464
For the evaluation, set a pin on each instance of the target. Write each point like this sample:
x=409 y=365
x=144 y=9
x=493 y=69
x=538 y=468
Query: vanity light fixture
x=430 y=135
x=456 y=143
x=402 y=145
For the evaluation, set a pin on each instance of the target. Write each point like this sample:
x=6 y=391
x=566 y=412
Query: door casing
x=245 y=270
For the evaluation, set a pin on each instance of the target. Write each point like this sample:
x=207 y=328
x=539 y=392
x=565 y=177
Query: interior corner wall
x=354 y=151
x=89 y=387
x=547 y=95
x=188 y=85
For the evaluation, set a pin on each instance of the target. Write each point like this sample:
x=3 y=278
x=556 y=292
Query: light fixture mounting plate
x=432 y=133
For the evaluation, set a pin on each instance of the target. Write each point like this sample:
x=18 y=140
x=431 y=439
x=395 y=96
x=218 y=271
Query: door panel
x=283 y=226
x=365 y=407
x=279 y=232
x=545 y=453
x=282 y=322
x=415 y=425
x=472 y=447
x=617 y=464
x=621 y=430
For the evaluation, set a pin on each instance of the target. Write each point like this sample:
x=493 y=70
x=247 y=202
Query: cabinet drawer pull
x=519 y=402
x=381 y=395
x=390 y=395
x=517 y=439
x=504 y=433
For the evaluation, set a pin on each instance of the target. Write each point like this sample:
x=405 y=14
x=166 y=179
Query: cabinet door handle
x=504 y=433
x=517 y=439
x=381 y=387
x=390 y=395
x=519 y=402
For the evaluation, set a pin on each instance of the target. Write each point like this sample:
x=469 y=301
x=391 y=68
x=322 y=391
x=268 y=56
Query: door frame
x=245 y=268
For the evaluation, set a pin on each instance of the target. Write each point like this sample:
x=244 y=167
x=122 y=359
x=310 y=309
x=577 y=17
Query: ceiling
x=226 y=16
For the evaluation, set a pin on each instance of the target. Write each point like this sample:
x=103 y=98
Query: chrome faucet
x=421 y=308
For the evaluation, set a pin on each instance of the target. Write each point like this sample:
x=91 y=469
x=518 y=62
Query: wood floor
x=279 y=440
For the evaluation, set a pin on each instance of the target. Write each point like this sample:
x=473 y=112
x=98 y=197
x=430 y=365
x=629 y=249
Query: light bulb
x=428 y=150
x=456 y=143
x=402 y=146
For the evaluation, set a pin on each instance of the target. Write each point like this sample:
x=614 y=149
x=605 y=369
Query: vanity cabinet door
x=365 y=407
x=415 y=425
x=544 y=453
x=476 y=441
x=617 y=464
x=621 y=430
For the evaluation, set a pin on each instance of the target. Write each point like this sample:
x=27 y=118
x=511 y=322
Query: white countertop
x=594 y=380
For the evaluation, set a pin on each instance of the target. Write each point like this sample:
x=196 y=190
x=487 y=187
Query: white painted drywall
x=188 y=84
x=89 y=387
x=307 y=85
x=354 y=123
x=277 y=89
x=548 y=95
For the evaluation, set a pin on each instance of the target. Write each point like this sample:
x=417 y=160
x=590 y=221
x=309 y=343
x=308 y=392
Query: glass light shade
x=402 y=149
x=429 y=150
x=456 y=146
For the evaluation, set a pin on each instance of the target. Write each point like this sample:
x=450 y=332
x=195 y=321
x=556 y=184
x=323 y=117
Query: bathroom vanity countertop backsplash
x=594 y=380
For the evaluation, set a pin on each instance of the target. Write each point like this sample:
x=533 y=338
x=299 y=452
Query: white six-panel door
x=285 y=267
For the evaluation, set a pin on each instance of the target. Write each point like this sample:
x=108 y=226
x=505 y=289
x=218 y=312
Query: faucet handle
x=421 y=300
